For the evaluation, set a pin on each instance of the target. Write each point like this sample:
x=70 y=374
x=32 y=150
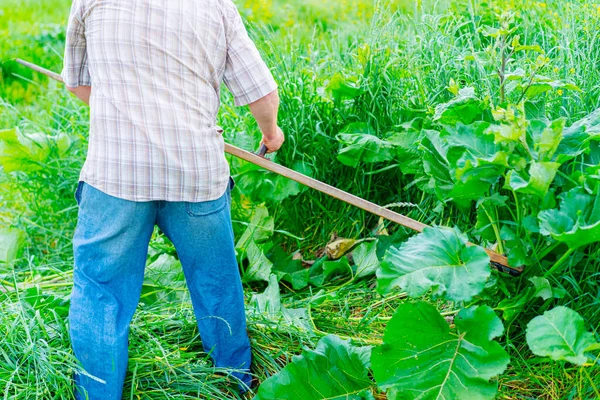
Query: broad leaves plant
x=359 y=144
x=439 y=260
x=577 y=222
x=465 y=108
x=420 y=357
x=335 y=369
x=11 y=243
x=561 y=335
x=267 y=307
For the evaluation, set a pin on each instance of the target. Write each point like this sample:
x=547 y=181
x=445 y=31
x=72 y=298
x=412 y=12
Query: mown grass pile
x=360 y=67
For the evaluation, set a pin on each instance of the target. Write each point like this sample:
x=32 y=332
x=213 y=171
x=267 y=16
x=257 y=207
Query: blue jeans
x=111 y=246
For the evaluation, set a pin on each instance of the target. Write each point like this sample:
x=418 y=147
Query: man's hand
x=274 y=142
x=264 y=111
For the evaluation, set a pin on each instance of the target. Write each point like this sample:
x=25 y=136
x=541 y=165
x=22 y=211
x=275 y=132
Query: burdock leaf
x=463 y=108
x=577 y=222
x=421 y=359
x=11 y=243
x=559 y=334
x=268 y=305
x=335 y=369
x=437 y=259
x=476 y=160
x=541 y=175
x=259 y=229
x=359 y=144
x=259 y=267
x=365 y=259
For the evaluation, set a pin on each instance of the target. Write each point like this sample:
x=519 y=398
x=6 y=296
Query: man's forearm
x=82 y=92
x=264 y=111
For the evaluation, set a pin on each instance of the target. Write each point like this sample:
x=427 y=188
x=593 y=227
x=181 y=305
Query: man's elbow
x=270 y=100
x=273 y=98
x=71 y=89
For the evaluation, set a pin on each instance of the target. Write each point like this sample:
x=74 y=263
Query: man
x=151 y=72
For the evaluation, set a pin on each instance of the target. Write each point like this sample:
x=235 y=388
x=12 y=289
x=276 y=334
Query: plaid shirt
x=155 y=67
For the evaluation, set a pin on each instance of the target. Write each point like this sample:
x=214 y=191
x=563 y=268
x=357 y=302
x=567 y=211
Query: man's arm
x=249 y=79
x=82 y=92
x=265 y=111
x=76 y=73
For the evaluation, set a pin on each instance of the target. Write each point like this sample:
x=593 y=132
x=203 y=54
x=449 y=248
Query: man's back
x=156 y=67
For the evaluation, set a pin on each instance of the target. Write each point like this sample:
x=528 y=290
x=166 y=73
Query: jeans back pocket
x=203 y=208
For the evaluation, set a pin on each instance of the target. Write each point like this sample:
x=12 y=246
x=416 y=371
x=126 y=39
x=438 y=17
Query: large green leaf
x=476 y=160
x=560 y=334
x=421 y=359
x=163 y=281
x=322 y=271
x=19 y=152
x=267 y=306
x=165 y=271
x=576 y=138
x=259 y=266
x=465 y=107
x=11 y=243
x=545 y=139
x=335 y=369
x=262 y=186
x=14 y=156
x=365 y=259
x=359 y=144
x=288 y=268
x=258 y=230
x=342 y=87
x=577 y=222
x=437 y=259
x=406 y=145
x=435 y=165
x=537 y=182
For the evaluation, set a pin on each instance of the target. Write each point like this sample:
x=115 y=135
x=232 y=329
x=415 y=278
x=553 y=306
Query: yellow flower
x=572 y=71
x=559 y=92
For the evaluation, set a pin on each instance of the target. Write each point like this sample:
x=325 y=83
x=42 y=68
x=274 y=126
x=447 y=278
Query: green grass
x=404 y=55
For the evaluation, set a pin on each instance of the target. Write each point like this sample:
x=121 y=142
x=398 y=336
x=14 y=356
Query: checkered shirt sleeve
x=246 y=74
x=76 y=70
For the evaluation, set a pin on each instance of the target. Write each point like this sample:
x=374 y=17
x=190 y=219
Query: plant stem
x=558 y=263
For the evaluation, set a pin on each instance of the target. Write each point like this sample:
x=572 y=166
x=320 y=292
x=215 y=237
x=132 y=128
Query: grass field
x=465 y=114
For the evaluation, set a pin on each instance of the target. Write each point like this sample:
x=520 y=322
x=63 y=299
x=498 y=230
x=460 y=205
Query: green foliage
x=421 y=359
x=437 y=259
x=361 y=145
x=365 y=259
x=29 y=153
x=536 y=181
x=268 y=305
x=163 y=280
x=513 y=306
x=465 y=108
x=335 y=369
x=344 y=87
x=577 y=222
x=11 y=244
x=561 y=335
